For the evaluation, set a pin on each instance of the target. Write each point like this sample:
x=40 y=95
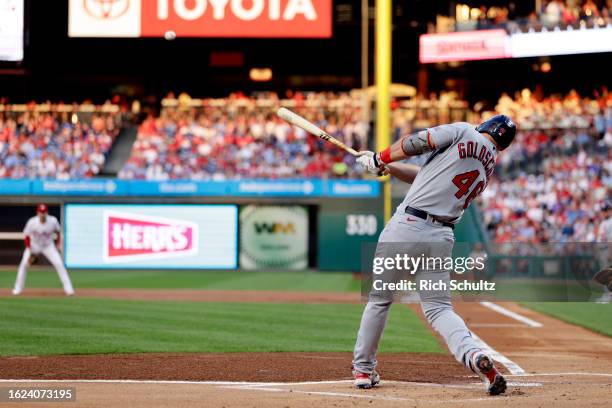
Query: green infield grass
x=44 y=326
x=221 y=280
x=593 y=316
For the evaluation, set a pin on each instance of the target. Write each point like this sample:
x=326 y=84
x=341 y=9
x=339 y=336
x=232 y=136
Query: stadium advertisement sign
x=273 y=237
x=79 y=187
x=15 y=187
x=200 y=18
x=464 y=46
x=496 y=44
x=129 y=236
x=562 y=42
x=186 y=188
x=151 y=236
x=11 y=30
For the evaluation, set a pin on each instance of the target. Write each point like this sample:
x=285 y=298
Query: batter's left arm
x=412 y=145
x=405 y=172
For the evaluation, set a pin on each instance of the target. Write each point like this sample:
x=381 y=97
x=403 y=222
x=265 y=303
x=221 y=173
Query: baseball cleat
x=494 y=382
x=365 y=380
x=15 y=292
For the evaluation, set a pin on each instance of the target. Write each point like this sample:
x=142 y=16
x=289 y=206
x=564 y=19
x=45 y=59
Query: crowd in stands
x=552 y=14
x=242 y=137
x=555 y=13
x=553 y=182
x=54 y=145
x=549 y=186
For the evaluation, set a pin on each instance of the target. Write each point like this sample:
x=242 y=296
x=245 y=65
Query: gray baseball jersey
x=455 y=173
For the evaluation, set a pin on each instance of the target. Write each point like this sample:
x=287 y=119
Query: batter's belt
x=424 y=215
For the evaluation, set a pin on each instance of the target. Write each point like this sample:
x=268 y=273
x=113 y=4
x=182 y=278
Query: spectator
x=550 y=185
x=44 y=145
x=242 y=137
x=589 y=10
x=553 y=12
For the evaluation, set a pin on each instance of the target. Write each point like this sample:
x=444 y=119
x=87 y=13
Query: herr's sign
x=200 y=18
x=160 y=236
x=129 y=236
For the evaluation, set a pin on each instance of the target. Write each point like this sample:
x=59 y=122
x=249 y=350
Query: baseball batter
x=42 y=234
x=461 y=161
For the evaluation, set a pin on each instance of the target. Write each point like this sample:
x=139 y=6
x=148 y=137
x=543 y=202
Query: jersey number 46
x=463 y=182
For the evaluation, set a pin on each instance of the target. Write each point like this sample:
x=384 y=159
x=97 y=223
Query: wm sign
x=273 y=237
x=275 y=228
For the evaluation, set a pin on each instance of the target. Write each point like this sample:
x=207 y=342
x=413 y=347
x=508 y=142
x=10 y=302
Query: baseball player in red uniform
x=460 y=163
x=42 y=236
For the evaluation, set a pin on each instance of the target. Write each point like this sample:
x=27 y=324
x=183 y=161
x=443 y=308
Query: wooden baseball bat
x=310 y=127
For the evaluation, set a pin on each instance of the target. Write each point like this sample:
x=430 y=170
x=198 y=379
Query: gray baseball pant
x=417 y=238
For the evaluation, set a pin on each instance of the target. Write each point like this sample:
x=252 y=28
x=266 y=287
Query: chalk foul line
x=509 y=313
x=497 y=356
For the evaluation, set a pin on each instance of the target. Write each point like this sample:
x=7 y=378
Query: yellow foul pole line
x=383 y=82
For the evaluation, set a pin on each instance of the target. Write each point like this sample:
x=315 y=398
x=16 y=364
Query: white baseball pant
x=50 y=252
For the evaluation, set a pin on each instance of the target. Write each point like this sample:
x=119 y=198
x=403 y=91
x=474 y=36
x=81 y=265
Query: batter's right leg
x=21 y=272
x=438 y=310
x=371 y=329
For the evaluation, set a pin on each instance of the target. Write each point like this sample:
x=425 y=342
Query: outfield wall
x=285 y=224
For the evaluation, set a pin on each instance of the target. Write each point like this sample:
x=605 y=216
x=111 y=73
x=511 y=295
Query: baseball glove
x=32 y=260
x=604 y=277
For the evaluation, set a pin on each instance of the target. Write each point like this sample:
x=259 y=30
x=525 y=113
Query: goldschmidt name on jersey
x=480 y=152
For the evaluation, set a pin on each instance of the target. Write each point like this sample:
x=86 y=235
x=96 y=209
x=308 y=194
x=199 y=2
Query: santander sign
x=133 y=237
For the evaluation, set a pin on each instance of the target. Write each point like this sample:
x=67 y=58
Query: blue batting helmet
x=501 y=128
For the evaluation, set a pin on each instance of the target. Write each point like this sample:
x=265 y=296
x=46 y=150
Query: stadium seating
x=241 y=137
x=552 y=15
x=220 y=145
x=45 y=143
x=552 y=183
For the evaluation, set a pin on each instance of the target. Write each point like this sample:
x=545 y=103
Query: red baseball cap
x=42 y=208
